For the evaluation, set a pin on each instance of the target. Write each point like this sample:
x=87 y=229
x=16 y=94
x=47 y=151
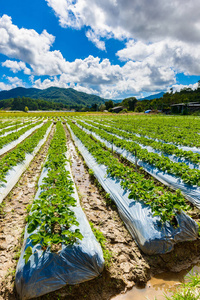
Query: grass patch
x=107 y=255
x=189 y=290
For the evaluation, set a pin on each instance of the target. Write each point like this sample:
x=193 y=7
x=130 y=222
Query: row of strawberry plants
x=179 y=136
x=189 y=176
x=14 y=127
x=158 y=123
x=15 y=135
x=51 y=214
x=8 y=124
x=154 y=122
x=169 y=149
x=17 y=155
x=162 y=203
x=4 y=124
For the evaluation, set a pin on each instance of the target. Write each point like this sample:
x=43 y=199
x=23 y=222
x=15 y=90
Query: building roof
x=118 y=107
x=188 y=104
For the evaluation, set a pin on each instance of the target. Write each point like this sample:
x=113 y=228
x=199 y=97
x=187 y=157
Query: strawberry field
x=96 y=200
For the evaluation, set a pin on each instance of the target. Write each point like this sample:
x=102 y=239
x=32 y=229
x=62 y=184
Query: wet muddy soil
x=12 y=221
x=159 y=286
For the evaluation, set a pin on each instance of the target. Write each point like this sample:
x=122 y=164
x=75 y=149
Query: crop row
x=17 y=155
x=15 y=135
x=163 y=163
x=7 y=125
x=157 y=124
x=59 y=245
x=15 y=127
x=162 y=203
x=165 y=148
x=51 y=214
x=178 y=136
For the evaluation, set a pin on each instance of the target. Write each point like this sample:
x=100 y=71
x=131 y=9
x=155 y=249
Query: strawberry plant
x=51 y=215
x=163 y=163
x=17 y=155
x=15 y=126
x=178 y=131
x=15 y=135
x=162 y=203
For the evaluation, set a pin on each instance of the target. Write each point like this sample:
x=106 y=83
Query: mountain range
x=68 y=96
x=154 y=96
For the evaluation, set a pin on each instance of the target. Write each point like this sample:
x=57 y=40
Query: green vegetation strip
x=179 y=131
x=169 y=149
x=162 y=203
x=163 y=163
x=17 y=155
x=15 y=135
x=7 y=123
x=107 y=255
x=51 y=214
x=3 y=126
x=15 y=126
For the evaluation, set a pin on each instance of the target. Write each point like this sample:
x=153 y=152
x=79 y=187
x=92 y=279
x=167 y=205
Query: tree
x=94 y=107
x=102 y=107
x=129 y=103
x=26 y=109
x=109 y=104
x=17 y=104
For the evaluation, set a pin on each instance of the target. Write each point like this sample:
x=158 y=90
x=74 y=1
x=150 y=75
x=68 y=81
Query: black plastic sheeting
x=46 y=271
x=146 y=229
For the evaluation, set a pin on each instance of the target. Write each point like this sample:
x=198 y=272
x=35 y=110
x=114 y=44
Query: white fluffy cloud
x=16 y=66
x=29 y=47
x=181 y=56
x=148 y=66
x=12 y=82
x=178 y=87
x=139 y=19
x=93 y=37
x=63 y=82
x=111 y=81
x=4 y=86
x=162 y=40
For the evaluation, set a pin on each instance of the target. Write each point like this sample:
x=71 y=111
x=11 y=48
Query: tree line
x=32 y=104
x=163 y=104
x=185 y=96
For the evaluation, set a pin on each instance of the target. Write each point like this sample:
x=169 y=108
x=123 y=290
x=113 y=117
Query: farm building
x=191 y=106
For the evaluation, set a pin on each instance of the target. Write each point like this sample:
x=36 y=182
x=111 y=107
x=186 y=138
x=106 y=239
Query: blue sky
x=111 y=48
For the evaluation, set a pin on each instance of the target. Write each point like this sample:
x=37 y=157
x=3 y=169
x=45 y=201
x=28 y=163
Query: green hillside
x=186 y=95
x=69 y=97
